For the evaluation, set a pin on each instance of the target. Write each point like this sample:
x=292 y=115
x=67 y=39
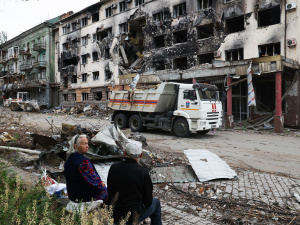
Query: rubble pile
x=99 y=110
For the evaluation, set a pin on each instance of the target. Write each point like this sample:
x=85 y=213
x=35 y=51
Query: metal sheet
x=102 y=169
x=208 y=166
x=173 y=174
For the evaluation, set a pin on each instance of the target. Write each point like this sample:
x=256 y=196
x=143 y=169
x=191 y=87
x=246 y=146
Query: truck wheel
x=14 y=106
x=135 y=123
x=28 y=107
x=121 y=121
x=202 y=131
x=181 y=128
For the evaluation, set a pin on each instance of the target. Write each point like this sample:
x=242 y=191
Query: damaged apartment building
x=104 y=46
x=27 y=65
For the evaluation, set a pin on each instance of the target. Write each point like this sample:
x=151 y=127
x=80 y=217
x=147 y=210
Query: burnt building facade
x=213 y=42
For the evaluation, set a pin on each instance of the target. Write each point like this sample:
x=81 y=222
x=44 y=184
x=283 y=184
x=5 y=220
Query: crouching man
x=134 y=187
x=83 y=182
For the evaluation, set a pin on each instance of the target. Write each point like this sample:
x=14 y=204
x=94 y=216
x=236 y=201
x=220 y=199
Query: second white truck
x=176 y=107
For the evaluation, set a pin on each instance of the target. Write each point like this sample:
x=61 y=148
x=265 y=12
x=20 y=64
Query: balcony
x=14 y=57
x=25 y=67
x=29 y=83
x=12 y=71
x=3 y=60
x=69 y=70
x=39 y=46
x=3 y=73
x=25 y=52
x=69 y=54
x=39 y=64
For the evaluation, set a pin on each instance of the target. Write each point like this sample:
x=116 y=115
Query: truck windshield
x=208 y=95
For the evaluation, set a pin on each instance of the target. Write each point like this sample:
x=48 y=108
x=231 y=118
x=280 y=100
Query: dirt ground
x=247 y=149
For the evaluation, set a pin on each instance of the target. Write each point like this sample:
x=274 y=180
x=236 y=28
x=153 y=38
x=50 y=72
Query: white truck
x=22 y=102
x=176 y=107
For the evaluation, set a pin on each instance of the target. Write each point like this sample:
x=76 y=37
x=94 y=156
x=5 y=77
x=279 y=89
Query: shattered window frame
x=202 y=28
x=96 y=75
x=179 y=10
x=98 y=95
x=74 y=26
x=273 y=48
x=74 y=97
x=65 y=97
x=65 y=46
x=108 y=75
x=84 y=59
x=158 y=43
x=205 y=58
x=204 y=4
x=139 y=2
x=65 y=30
x=108 y=12
x=234 y=54
x=159 y=65
x=95 y=56
x=123 y=28
x=157 y=17
x=123 y=6
x=84 y=77
x=74 y=79
x=176 y=36
x=233 y=26
x=84 y=96
x=177 y=62
x=84 y=40
x=84 y=22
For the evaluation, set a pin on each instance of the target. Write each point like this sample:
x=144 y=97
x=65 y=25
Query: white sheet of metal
x=208 y=166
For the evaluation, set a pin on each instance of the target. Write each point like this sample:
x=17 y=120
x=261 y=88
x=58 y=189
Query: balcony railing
x=25 y=52
x=39 y=64
x=25 y=66
x=68 y=54
x=13 y=57
x=39 y=46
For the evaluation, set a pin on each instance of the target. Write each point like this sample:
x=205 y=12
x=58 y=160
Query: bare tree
x=3 y=37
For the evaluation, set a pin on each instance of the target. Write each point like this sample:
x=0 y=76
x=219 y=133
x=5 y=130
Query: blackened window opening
x=180 y=63
x=158 y=16
x=107 y=75
x=180 y=36
x=159 y=65
x=95 y=56
x=235 y=54
x=95 y=17
x=269 y=49
x=65 y=82
x=74 y=79
x=205 y=31
x=269 y=16
x=265 y=94
x=98 y=96
x=235 y=24
x=205 y=58
x=179 y=10
x=159 y=41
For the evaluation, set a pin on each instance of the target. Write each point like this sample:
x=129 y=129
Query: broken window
x=108 y=12
x=65 y=82
x=204 y=4
x=159 y=41
x=74 y=97
x=269 y=16
x=74 y=26
x=123 y=28
x=269 y=49
x=84 y=77
x=84 y=40
x=107 y=75
x=95 y=17
x=139 y=2
x=179 y=10
x=74 y=43
x=65 y=29
x=65 y=97
x=98 y=96
x=235 y=54
x=84 y=96
x=205 y=31
x=205 y=58
x=104 y=34
x=159 y=65
x=96 y=75
x=65 y=46
x=122 y=6
x=83 y=59
x=95 y=56
x=235 y=24
x=180 y=63
x=84 y=21
x=74 y=79
x=157 y=17
x=180 y=36
x=107 y=54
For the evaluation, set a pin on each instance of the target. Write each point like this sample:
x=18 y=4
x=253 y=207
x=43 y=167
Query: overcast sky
x=17 y=16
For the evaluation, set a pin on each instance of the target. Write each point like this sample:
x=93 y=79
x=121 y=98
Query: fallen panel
x=173 y=174
x=208 y=166
x=102 y=169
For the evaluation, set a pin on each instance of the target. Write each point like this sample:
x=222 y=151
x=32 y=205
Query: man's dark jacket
x=134 y=186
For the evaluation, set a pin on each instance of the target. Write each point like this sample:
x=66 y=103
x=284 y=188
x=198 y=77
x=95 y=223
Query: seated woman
x=83 y=182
